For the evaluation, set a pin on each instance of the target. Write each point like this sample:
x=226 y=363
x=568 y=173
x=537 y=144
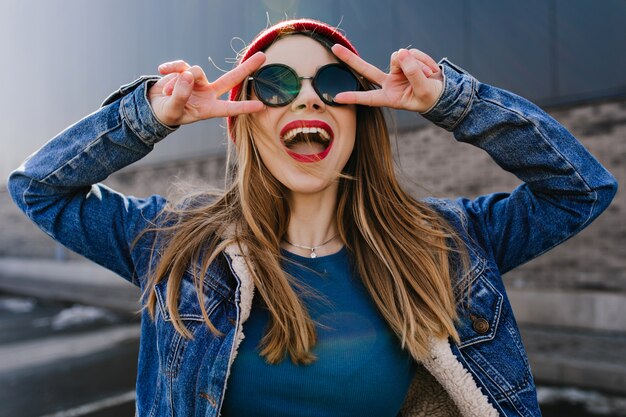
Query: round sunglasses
x=277 y=85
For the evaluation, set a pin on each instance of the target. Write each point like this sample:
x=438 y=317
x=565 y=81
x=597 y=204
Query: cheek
x=350 y=124
x=268 y=119
x=350 y=149
x=269 y=151
x=266 y=150
x=263 y=133
x=349 y=116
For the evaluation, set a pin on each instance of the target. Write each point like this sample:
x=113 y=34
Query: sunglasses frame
x=313 y=79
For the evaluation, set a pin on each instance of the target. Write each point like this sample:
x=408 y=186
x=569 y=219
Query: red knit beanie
x=264 y=39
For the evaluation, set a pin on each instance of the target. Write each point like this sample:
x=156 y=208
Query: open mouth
x=307 y=140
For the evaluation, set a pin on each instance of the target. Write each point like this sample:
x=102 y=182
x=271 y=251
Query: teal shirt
x=360 y=370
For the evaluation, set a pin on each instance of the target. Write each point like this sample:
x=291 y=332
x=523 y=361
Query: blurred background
x=68 y=329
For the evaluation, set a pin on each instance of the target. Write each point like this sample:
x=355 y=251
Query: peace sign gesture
x=414 y=81
x=184 y=95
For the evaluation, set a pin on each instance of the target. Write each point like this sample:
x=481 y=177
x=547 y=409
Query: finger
x=234 y=108
x=170 y=81
x=198 y=75
x=162 y=81
x=234 y=77
x=372 y=98
x=394 y=65
x=412 y=68
x=180 y=95
x=173 y=66
x=425 y=58
x=364 y=68
x=169 y=88
x=426 y=69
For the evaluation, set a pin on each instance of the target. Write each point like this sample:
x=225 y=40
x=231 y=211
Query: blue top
x=360 y=370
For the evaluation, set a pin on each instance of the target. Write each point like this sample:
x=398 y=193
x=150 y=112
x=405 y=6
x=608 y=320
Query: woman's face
x=281 y=149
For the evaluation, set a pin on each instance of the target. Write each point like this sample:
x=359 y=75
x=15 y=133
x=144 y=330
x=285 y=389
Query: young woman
x=356 y=299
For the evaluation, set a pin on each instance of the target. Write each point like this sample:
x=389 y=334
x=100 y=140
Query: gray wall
x=61 y=58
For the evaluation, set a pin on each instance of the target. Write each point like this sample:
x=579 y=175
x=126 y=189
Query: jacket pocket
x=171 y=344
x=180 y=357
x=480 y=314
x=188 y=305
x=491 y=343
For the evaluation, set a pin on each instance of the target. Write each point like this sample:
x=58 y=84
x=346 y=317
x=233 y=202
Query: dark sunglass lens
x=276 y=85
x=334 y=79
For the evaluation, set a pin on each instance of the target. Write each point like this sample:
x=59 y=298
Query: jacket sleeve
x=564 y=187
x=57 y=187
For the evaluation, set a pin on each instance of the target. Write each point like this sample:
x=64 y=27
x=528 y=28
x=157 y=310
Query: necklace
x=311 y=248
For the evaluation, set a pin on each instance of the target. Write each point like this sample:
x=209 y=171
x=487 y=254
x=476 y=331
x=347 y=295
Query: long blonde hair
x=402 y=247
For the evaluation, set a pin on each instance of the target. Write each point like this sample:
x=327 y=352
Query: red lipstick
x=308 y=123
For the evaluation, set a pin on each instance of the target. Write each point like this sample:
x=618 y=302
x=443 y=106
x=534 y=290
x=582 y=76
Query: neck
x=312 y=222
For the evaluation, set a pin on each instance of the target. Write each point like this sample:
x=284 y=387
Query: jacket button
x=480 y=325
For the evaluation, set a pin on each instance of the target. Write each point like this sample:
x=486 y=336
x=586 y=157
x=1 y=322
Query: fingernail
x=184 y=77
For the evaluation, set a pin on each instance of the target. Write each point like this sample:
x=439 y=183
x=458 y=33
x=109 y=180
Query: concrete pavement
x=58 y=360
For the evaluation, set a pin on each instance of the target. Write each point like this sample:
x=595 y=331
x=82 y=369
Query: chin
x=303 y=182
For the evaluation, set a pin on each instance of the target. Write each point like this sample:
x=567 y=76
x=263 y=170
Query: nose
x=307 y=98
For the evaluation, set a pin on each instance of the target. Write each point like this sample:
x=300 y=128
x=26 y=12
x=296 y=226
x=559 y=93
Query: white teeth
x=293 y=132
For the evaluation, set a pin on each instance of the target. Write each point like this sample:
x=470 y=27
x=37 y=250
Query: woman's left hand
x=414 y=81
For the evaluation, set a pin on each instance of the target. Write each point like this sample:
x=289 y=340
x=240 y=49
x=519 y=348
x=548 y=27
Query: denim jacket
x=487 y=374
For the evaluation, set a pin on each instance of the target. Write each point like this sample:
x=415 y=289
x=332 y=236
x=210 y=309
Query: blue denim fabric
x=564 y=188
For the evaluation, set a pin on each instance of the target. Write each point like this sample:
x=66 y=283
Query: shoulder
x=451 y=210
x=183 y=207
x=455 y=213
x=197 y=200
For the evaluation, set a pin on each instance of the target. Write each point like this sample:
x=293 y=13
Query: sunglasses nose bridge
x=307 y=96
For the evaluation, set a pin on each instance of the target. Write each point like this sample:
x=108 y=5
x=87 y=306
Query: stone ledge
x=80 y=282
x=581 y=358
x=594 y=310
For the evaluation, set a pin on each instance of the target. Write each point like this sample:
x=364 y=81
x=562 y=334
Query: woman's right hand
x=184 y=95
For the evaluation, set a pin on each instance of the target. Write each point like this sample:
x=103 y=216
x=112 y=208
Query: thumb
x=180 y=95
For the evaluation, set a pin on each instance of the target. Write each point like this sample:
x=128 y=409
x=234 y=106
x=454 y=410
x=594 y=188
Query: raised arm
x=564 y=187
x=58 y=186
